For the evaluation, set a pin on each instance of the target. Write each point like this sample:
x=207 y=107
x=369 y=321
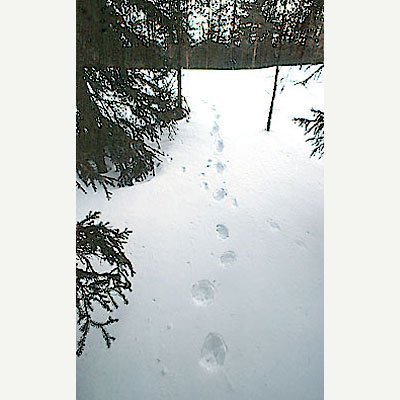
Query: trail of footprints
x=214 y=349
x=221 y=192
x=203 y=292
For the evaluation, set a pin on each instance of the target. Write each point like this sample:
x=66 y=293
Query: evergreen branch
x=98 y=240
x=314 y=128
x=314 y=75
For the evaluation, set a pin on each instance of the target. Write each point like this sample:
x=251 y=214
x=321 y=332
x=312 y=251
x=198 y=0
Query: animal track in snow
x=274 y=225
x=205 y=185
x=215 y=129
x=234 y=202
x=203 y=293
x=220 y=145
x=228 y=258
x=300 y=243
x=222 y=231
x=213 y=352
x=219 y=194
x=220 y=167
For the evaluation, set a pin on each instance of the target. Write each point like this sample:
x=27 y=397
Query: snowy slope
x=228 y=250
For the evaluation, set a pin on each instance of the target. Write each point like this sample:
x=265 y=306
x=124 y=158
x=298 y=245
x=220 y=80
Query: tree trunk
x=271 y=107
x=180 y=87
x=253 y=63
x=179 y=64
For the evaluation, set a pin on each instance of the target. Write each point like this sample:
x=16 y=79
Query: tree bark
x=271 y=107
x=179 y=66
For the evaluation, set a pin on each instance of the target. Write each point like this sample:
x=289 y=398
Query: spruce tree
x=314 y=131
x=313 y=127
x=121 y=117
x=98 y=291
x=123 y=113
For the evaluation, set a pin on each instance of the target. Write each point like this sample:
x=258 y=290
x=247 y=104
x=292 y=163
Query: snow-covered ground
x=227 y=244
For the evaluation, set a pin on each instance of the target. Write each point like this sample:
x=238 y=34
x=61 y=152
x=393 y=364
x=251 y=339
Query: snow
x=227 y=244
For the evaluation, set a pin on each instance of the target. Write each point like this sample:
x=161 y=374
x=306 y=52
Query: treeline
x=217 y=34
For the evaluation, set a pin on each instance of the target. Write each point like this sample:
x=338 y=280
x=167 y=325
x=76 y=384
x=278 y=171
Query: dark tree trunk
x=180 y=88
x=271 y=107
x=179 y=64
